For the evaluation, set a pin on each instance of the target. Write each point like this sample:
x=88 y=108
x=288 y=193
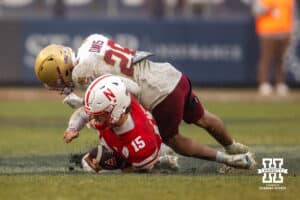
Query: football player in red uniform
x=124 y=127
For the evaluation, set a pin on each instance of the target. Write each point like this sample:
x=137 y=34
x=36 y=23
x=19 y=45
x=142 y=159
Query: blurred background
x=212 y=41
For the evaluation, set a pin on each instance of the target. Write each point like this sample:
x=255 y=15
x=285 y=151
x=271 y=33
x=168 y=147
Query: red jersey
x=137 y=140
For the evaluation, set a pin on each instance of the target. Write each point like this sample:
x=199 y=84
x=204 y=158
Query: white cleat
x=168 y=162
x=242 y=161
x=166 y=150
x=168 y=159
x=236 y=148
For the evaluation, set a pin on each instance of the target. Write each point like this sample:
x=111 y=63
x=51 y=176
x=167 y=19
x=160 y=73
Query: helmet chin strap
x=60 y=76
x=67 y=89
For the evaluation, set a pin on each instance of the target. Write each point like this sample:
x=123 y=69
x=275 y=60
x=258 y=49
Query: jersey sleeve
x=78 y=120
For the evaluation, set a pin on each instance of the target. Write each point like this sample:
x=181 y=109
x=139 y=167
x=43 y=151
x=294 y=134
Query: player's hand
x=67 y=90
x=73 y=100
x=70 y=135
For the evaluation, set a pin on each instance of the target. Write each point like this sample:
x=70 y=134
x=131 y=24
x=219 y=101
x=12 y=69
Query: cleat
x=242 y=161
x=168 y=162
x=166 y=150
x=236 y=148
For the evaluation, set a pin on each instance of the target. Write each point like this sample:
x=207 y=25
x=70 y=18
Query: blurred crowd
x=274 y=22
x=117 y=8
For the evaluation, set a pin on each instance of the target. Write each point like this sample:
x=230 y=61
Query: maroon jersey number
x=117 y=52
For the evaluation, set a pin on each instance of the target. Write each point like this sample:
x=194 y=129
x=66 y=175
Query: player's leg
x=195 y=113
x=188 y=147
x=265 y=60
x=214 y=125
x=281 y=48
x=169 y=119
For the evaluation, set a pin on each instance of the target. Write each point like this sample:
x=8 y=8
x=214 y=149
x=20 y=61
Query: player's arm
x=131 y=86
x=77 y=121
x=73 y=100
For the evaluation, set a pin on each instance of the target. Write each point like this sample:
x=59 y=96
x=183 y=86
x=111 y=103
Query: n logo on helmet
x=109 y=95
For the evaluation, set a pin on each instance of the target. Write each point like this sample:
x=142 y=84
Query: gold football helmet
x=53 y=66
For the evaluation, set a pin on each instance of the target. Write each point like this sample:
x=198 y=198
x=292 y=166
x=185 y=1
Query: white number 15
x=138 y=143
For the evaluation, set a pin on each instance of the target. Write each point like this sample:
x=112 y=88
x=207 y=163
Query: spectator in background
x=156 y=8
x=274 y=23
x=59 y=8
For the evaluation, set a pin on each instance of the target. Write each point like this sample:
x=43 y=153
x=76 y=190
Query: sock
x=220 y=157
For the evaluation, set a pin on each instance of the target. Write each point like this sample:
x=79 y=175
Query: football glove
x=73 y=100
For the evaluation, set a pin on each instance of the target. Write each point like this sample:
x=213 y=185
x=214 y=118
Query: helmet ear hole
x=50 y=59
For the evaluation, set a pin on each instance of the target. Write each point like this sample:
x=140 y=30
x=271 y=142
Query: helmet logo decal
x=109 y=95
x=87 y=96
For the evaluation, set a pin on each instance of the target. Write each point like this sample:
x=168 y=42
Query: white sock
x=220 y=157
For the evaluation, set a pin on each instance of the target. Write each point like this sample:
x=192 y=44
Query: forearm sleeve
x=78 y=120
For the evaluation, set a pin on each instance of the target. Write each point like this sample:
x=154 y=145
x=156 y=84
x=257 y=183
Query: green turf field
x=34 y=159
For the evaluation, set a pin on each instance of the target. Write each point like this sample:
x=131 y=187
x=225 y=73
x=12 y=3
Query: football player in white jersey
x=159 y=87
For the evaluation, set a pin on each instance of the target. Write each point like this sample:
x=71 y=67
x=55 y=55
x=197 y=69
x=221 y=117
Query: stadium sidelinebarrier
x=220 y=52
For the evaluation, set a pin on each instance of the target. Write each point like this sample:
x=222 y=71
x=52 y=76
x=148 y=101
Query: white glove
x=73 y=100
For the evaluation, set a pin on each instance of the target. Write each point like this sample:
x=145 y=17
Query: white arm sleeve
x=131 y=86
x=78 y=120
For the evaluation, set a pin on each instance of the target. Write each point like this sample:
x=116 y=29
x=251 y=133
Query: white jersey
x=99 y=55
